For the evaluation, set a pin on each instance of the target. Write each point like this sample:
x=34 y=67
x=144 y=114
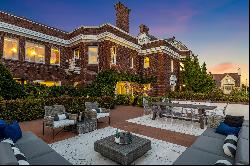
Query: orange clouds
x=231 y=68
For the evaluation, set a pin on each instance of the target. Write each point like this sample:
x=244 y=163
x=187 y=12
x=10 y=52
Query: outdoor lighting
x=33 y=52
x=14 y=50
x=183 y=85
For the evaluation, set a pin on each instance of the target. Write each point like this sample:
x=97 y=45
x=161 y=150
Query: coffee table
x=122 y=154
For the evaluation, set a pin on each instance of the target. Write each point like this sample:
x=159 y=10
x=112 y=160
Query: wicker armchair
x=91 y=111
x=48 y=121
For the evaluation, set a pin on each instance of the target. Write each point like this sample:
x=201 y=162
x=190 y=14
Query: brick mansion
x=35 y=52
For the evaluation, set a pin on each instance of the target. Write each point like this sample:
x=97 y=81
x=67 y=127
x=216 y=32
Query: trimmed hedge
x=215 y=96
x=31 y=109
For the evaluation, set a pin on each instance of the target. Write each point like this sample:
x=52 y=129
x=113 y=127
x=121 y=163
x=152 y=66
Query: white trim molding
x=161 y=49
x=13 y=29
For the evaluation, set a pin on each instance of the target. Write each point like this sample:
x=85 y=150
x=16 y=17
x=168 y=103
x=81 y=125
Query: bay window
x=55 y=56
x=34 y=52
x=93 y=55
x=10 y=50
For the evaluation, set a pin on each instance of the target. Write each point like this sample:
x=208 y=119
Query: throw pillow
x=62 y=117
x=67 y=115
x=227 y=130
x=97 y=110
x=223 y=162
x=234 y=121
x=230 y=145
x=13 y=131
x=2 y=126
x=21 y=159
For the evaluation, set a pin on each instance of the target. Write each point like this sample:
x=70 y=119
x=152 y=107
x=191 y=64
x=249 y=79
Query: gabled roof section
x=48 y=30
x=178 y=44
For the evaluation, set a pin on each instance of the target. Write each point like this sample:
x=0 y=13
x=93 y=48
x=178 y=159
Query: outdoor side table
x=86 y=125
x=122 y=154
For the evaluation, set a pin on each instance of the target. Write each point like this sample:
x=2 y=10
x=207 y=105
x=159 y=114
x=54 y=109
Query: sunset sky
x=216 y=30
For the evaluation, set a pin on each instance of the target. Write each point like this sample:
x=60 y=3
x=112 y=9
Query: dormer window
x=113 y=51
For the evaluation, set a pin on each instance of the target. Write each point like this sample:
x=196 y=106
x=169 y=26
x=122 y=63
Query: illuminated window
x=181 y=66
x=93 y=54
x=77 y=54
x=124 y=88
x=146 y=62
x=113 y=55
x=34 y=52
x=172 y=65
x=55 y=56
x=49 y=83
x=146 y=87
x=10 y=50
x=20 y=81
x=132 y=63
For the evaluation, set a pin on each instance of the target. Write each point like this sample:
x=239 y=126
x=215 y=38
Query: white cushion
x=62 y=117
x=101 y=115
x=62 y=123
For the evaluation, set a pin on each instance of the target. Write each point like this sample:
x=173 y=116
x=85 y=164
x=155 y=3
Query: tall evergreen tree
x=195 y=77
x=9 y=88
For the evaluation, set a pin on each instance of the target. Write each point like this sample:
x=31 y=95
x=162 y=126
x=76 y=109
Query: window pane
x=35 y=53
x=113 y=55
x=146 y=62
x=93 y=53
x=10 y=48
x=55 y=56
x=76 y=54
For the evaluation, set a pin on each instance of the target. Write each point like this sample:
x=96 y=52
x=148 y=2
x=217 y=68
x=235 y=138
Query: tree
x=9 y=88
x=195 y=77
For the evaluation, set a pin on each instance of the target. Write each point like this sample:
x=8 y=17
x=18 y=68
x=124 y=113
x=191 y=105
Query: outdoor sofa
x=36 y=151
x=207 y=149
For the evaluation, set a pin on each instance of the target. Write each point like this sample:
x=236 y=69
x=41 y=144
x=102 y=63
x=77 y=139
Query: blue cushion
x=2 y=126
x=227 y=130
x=13 y=131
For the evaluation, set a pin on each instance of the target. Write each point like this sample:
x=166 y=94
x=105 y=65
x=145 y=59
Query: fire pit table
x=122 y=154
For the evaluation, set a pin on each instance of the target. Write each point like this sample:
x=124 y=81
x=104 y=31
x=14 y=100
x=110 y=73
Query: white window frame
x=113 y=52
x=9 y=38
x=55 y=48
x=172 y=65
x=132 y=63
x=39 y=45
x=97 y=58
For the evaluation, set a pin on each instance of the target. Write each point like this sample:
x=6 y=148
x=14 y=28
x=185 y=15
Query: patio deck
x=119 y=115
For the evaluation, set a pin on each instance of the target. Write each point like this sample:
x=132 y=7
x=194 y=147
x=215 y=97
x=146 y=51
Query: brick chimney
x=122 y=16
x=144 y=29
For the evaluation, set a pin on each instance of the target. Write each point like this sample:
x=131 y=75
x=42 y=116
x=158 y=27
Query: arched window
x=113 y=51
x=146 y=62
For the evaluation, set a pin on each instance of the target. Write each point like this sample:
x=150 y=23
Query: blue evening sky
x=216 y=30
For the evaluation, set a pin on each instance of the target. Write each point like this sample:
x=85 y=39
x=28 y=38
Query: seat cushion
x=34 y=148
x=245 y=123
x=244 y=132
x=26 y=137
x=63 y=123
x=7 y=156
x=193 y=156
x=211 y=145
x=51 y=158
x=242 y=152
x=102 y=115
x=210 y=132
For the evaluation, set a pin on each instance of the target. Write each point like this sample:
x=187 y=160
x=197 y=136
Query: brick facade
x=127 y=48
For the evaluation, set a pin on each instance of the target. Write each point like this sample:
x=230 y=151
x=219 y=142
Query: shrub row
x=31 y=109
x=215 y=96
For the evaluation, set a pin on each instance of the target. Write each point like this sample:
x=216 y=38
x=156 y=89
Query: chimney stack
x=144 y=29
x=122 y=16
